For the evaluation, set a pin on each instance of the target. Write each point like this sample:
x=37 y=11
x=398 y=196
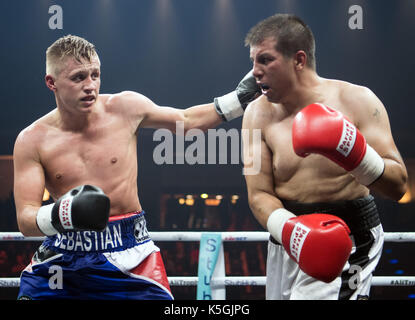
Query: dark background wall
x=180 y=52
x=186 y=52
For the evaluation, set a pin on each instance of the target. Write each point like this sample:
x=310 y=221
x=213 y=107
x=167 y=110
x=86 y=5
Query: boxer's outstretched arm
x=142 y=112
x=145 y=113
x=29 y=184
x=200 y=117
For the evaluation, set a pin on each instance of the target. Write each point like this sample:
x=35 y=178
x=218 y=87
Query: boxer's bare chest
x=96 y=155
x=285 y=163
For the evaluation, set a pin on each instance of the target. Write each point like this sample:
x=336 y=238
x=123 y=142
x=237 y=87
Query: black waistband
x=359 y=214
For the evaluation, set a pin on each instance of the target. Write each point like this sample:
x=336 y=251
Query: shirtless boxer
x=85 y=153
x=325 y=145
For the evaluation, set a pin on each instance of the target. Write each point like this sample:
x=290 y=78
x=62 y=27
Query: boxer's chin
x=87 y=106
x=272 y=98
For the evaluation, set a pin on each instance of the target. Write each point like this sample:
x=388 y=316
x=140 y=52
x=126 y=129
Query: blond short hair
x=68 y=46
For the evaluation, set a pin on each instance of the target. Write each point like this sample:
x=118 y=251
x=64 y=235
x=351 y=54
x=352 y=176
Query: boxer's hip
x=122 y=232
x=360 y=215
x=120 y=262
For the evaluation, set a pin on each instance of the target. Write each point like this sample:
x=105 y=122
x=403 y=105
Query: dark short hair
x=291 y=33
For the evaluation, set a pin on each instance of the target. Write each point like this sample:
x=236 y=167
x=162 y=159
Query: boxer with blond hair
x=85 y=153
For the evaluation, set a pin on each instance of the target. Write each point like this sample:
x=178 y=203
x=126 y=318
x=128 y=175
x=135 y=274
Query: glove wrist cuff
x=44 y=220
x=229 y=106
x=276 y=222
x=370 y=168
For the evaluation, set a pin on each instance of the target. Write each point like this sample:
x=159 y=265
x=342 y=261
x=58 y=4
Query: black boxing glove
x=82 y=208
x=232 y=105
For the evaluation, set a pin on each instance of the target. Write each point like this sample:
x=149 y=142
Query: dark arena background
x=182 y=53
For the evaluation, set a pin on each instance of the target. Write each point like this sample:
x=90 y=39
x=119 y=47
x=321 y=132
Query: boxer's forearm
x=393 y=182
x=201 y=117
x=225 y=108
x=262 y=205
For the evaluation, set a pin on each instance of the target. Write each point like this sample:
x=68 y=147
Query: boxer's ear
x=50 y=82
x=300 y=60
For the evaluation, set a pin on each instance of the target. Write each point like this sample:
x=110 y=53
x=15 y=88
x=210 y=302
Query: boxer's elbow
x=24 y=230
x=254 y=200
x=401 y=190
x=394 y=189
x=255 y=195
x=400 y=186
x=393 y=183
x=26 y=222
x=261 y=204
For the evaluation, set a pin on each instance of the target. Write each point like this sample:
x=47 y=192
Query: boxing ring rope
x=195 y=236
x=249 y=236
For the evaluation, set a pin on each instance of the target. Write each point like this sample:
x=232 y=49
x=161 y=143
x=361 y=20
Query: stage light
x=406 y=197
x=46 y=195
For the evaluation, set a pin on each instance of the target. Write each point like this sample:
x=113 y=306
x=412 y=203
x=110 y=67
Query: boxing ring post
x=219 y=280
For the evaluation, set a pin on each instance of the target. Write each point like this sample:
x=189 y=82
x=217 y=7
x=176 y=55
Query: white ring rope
x=244 y=281
x=226 y=236
x=195 y=236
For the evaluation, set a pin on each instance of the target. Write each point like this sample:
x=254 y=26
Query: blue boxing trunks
x=121 y=262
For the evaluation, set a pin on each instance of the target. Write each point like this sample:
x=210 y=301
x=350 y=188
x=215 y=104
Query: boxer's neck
x=304 y=91
x=68 y=119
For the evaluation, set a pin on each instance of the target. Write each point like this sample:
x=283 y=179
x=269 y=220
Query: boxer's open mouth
x=264 y=87
x=88 y=98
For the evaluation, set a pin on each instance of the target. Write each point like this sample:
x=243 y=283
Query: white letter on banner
x=210 y=244
x=56 y=20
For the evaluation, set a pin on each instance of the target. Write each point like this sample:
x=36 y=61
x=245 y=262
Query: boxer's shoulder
x=261 y=112
x=344 y=89
x=129 y=103
x=353 y=100
x=34 y=133
x=350 y=94
x=124 y=99
x=362 y=105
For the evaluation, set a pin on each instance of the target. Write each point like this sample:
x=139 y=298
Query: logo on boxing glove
x=65 y=213
x=297 y=239
x=347 y=139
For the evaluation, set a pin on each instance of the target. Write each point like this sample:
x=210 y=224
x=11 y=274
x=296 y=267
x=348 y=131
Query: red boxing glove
x=320 y=129
x=319 y=243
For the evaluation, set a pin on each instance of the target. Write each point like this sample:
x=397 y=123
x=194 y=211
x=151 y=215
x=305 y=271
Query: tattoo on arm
x=376 y=114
